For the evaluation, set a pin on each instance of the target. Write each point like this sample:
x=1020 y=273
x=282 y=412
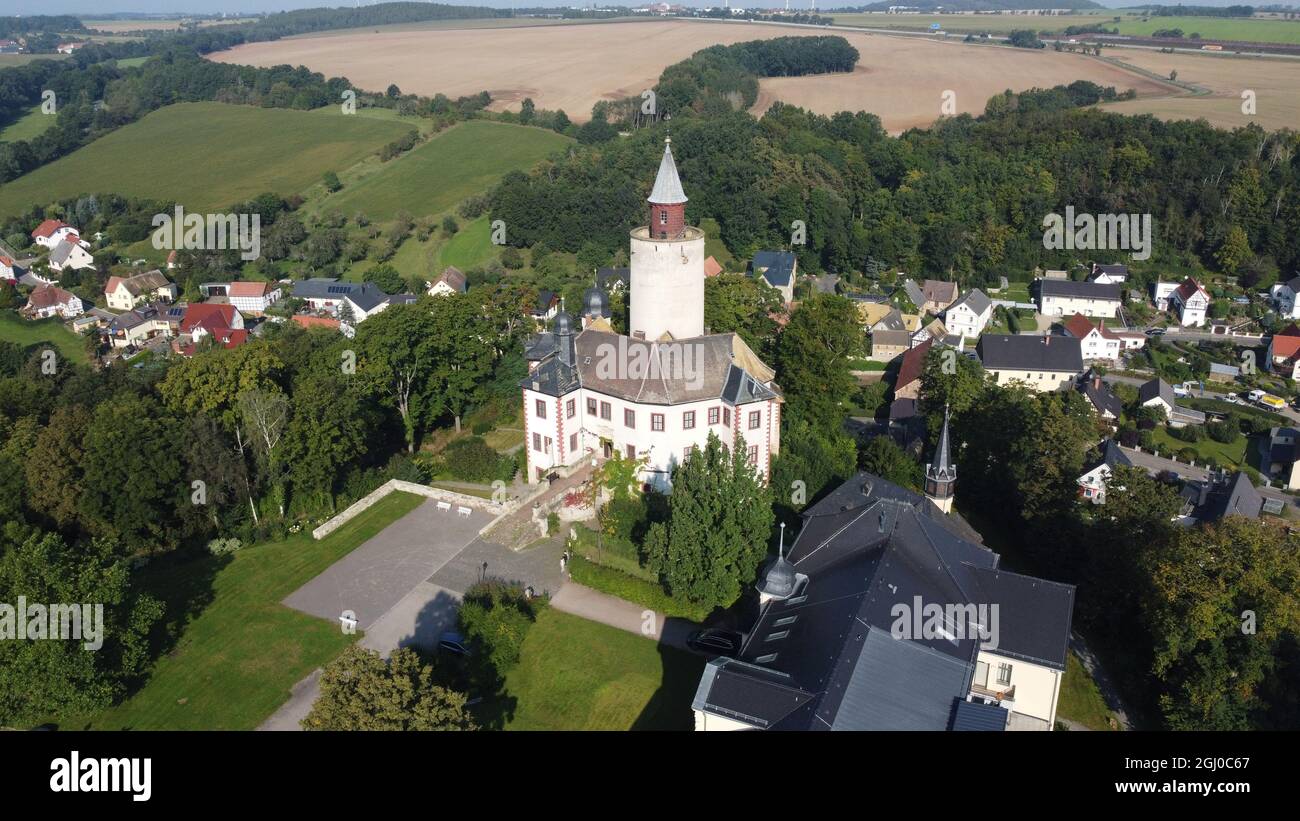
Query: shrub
x=1227 y=431
x=1187 y=455
x=481 y=428
x=634 y=590
x=471 y=460
x=222 y=547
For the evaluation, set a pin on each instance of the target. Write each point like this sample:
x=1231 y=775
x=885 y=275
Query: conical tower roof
x=942 y=467
x=668 y=186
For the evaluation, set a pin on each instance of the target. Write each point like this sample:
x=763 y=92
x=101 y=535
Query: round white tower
x=666 y=289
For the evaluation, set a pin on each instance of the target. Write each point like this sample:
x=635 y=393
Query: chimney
x=1096 y=383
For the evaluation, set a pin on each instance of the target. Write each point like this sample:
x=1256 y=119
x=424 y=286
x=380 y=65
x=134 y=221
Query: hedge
x=634 y=590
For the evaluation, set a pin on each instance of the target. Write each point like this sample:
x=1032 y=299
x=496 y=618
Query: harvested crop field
x=1275 y=81
x=572 y=67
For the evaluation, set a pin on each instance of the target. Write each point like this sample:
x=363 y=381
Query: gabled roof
x=1113 y=269
x=777 y=267
x=48 y=296
x=938 y=291
x=891 y=321
x=137 y=285
x=968 y=716
x=975 y=300
x=1079 y=290
x=711 y=267
x=248 y=289
x=1156 y=389
x=453 y=277
x=1286 y=343
x=914 y=293
x=1079 y=326
x=1030 y=353
x=47 y=228
x=213 y=318
x=1111 y=455
x=63 y=250
x=668 y=186
x=1189 y=289
x=607 y=277
x=1100 y=395
x=913 y=364
x=891 y=339
x=1212 y=500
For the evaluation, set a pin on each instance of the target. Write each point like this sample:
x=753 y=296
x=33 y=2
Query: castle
x=658 y=392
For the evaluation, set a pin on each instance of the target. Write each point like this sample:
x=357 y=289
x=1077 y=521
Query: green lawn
x=13 y=328
x=575 y=674
x=207 y=155
x=1080 y=700
x=30 y=125
x=470 y=247
x=457 y=163
x=241 y=652
x=1234 y=454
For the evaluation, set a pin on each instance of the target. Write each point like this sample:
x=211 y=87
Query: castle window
x=629 y=417
x=606 y=411
x=573 y=443
x=663 y=217
x=537 y=442
x=541 y=409
x=688 y=420
x=591 y=406
x=570 y=408
x=755 y=419
x=713 y=416
x=726 y=416
x=631 y=452
x=752 y=455
x=656 y=421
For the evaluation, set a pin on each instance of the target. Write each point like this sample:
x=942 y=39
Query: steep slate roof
x=868 y=546
x=1114 y=268
x=714 y=366
x=893 y=339
x=892 y=321
x=1030 y=353
x=668 y=186
x=777 y=267
x=1101 y=396
x=1111 y=456
x=1079 y=290
x=914 y=292
x=975 y=299
x=1214 y=500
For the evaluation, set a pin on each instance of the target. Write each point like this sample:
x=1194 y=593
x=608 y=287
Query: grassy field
x=30 y=125
x=241 y=652
x=470 y=247
x=1234 y=454
x=1080 y=700
x=207 y=155
x=14 y=328
x=7 y=60
x=461 y=161
x=576 y=674
x=1210 y=28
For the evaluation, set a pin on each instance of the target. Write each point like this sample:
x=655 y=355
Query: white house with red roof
x=253 y=297
x=451 y=281
x=9 y=268
x=51 y=232
x=1191 y=302
x=221 y=322
x=1096 y=341
x=1284 y=352
x=51 y=300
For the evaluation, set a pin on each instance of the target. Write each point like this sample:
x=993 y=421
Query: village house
x=969 y=315
x=1219 y=496
x=51 y=232
x=839 y=643
x=1161 y=292
x=1041 y=363
x=10 y=47
x=1279 y=456
x=896 y=320
x=612 y=280
x=886 y=346
x=546 y=307
x=936 y=296
x=126 y=293
x=1284 y=299
x=1224 y=373
x=9 y=268
x=220 y=322
x=51 y=300
x=939 y=333
x=907 y=385
x=1284 y=352
x=1096 y=342
x=1065 y=297
x=870 y=311
x=1191 y=302
x=69 y=254
x=778 y=269
x=1160 y=394
x=1114 y=274
x=139 y=325
x=450 y=281
x=1092 y=484
x=712 y=267
x=659 y=392
x=1103 y=400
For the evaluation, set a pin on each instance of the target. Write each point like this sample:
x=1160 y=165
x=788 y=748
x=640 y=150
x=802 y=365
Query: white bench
x=444 y=505
x=464 y=512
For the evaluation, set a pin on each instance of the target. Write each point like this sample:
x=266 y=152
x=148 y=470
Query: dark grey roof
x=540 y=346
x=1115 y=268
x=1234 y=497
x=892 y=321
x=975 y=299
x=970 y=716
x=1079 y=290
x=901 y=409
x=545 y=301
x=914 y=292
x=1156 y=389
x=607 y=277
x=1030 y=353
x=866 y=547
x=1101 y=397
x=365 y=295
x=1112 y=456
x=893 y=339
x=595 y=304
x=777 y=267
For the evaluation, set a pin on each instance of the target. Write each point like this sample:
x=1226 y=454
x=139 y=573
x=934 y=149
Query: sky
x=99 y=7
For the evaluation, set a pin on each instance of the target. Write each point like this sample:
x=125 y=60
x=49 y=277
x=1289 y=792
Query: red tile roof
x=47 y=228
x=212 y=318
x=1286 y=344
x=711 y=267
x=47 y=296
x=247 y=289
x=913 y=364
x=1079 y=326
x=1188 y=289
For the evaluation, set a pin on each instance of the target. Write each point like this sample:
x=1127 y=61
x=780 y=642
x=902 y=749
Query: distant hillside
x=979 y=5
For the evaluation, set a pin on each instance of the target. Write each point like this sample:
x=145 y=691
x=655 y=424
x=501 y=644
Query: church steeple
x=941 y=473
x=667 y=199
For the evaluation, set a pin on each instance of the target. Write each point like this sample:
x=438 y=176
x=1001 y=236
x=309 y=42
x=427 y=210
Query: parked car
x=453 y=643
x=1234 y=399
x=712 y=641
x=1155 y=331
x=1181 y=391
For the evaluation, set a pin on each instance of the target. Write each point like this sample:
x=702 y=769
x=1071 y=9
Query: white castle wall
x=667 y=285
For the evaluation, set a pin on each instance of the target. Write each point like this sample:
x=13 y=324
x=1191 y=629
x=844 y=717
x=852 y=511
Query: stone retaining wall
x=357 y=507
